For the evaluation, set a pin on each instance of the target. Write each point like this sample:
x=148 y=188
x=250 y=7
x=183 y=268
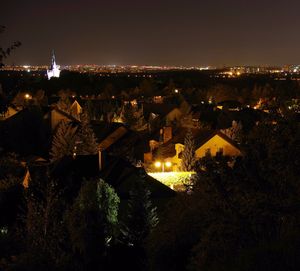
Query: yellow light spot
x=168 y=164
x=157 y=164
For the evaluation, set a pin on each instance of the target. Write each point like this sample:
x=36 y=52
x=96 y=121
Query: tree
x=142 y=215
x=86 y=143
x=11 y=189
x=188 y=154
x=45 y=232
x=141 y=218
x=239 y=217
x=92 y=220
x=129 y=116
x=5 y=52
x=63 y=142
x=234 y=132
x=133 y=116
x=64 y=102
x=40 y=229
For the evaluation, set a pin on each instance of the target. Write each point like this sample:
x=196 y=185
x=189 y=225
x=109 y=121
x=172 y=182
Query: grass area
x=175 y=180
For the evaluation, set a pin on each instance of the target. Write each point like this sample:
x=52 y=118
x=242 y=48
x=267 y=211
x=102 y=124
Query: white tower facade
x=54 y=70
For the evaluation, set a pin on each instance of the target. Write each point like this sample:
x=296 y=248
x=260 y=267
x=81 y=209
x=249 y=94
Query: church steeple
x=53 y=59
x=54 y=69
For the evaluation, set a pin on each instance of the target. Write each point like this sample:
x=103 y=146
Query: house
x=26 y=132
x=11 y=110
x=75 y=108
x=161 y=114
x=70 y=172
x=207 y=142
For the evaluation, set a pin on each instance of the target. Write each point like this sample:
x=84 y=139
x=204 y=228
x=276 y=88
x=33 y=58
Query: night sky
x=232 y=32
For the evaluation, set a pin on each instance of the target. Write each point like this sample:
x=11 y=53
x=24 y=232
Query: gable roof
x=118 y=173
x=108 y=133
x=65 y=114
x=162 y=109
x=112 y=138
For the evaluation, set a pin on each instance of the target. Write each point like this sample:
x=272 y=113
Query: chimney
x=167 y=134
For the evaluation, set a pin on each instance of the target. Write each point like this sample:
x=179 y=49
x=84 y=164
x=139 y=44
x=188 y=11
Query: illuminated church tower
x=54 y=70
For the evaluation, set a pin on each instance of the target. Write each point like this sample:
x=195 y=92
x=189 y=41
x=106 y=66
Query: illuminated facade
x=54 y=70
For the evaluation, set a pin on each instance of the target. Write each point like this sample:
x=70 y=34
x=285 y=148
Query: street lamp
x=157 y=164
x=162 y=165
x=168 y=164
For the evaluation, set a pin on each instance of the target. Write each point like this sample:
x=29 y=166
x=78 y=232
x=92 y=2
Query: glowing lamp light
x=168 y=164
x=27 y=96
x=176 y=90
x=157 y=164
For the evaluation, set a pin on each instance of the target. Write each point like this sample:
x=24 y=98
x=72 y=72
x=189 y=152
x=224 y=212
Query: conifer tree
x=129 y=116
x=142 y=215
x=63 y=142
x=188 y=154
x=85 y=140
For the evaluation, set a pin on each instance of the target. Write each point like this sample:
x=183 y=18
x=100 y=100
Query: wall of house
x=9 y=113
x=75 y=109
x=214 y=145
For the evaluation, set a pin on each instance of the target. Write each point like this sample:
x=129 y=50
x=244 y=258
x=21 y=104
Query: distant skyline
x=172 y=33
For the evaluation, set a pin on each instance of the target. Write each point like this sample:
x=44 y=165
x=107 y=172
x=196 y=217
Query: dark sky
x=157 y=32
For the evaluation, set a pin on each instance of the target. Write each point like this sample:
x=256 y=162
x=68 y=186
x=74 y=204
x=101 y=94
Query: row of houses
x=29 y=131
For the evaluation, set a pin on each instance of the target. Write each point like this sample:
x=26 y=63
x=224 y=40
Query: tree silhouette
x=188 y=154
x=85 y=138
x=63 y=142
x=5 y=52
